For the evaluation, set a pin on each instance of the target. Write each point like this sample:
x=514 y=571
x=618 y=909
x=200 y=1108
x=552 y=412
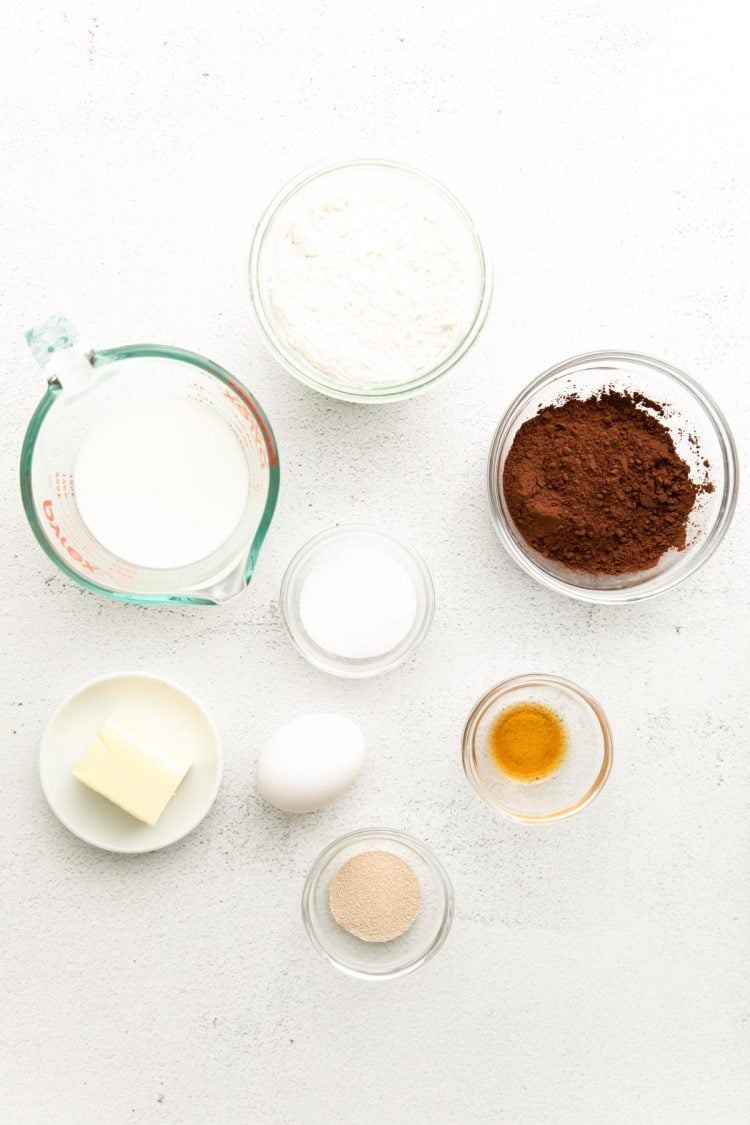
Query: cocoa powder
x=597 y=484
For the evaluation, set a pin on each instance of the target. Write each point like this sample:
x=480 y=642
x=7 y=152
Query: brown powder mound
x=375 y=896
x=597 y=484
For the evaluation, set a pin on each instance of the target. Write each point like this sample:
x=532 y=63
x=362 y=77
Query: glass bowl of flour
x=368 y=279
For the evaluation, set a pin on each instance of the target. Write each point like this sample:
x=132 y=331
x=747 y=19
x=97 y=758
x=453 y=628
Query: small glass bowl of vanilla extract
x=537 y=748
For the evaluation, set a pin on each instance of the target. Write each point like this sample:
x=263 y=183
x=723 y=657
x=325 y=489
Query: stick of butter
x=131 y=767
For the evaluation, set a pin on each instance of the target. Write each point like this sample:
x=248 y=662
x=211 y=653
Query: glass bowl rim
x=399 y=391
x=409 y=842
x=479 y=710
x=345 y=667
x=666 y=580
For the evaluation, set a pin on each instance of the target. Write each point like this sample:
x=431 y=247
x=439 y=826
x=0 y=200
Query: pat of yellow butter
x=131 y=767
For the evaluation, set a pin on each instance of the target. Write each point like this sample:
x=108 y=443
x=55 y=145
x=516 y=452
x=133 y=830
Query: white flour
x=371 y=276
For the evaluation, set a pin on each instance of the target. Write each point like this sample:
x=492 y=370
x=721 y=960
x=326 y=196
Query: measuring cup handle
x=60 y=352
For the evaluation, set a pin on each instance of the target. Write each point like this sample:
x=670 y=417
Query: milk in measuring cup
x=161 y=482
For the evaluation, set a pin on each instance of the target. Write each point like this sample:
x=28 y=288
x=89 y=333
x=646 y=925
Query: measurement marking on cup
x=263 y=441
x=49 y=513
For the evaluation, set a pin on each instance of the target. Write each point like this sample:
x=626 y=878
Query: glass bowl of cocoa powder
x=612 y=477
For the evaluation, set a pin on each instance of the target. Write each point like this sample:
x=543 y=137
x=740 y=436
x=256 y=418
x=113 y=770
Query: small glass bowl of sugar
x=357 y=601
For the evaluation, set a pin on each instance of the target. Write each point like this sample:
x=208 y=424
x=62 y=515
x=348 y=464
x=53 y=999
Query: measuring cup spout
x=58 y=349
x=225 y=588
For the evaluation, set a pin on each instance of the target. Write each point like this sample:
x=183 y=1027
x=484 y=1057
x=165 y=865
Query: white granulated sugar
x=358 y=602
x=372 y=276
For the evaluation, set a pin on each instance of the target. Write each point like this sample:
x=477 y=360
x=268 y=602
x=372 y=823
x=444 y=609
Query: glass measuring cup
x=84 y=386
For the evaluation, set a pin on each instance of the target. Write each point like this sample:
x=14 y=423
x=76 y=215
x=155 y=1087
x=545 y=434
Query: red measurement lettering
x=248 y=409
x=49 y=512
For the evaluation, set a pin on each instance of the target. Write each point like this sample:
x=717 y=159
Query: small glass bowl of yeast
x=584 y=764
x=378 y=960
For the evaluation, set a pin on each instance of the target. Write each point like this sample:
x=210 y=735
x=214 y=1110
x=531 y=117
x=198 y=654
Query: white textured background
x=597 y=971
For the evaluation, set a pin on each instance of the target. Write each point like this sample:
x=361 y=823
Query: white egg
x=310 y=762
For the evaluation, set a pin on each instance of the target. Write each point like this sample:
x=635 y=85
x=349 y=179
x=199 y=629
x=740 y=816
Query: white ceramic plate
x=158 y=704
